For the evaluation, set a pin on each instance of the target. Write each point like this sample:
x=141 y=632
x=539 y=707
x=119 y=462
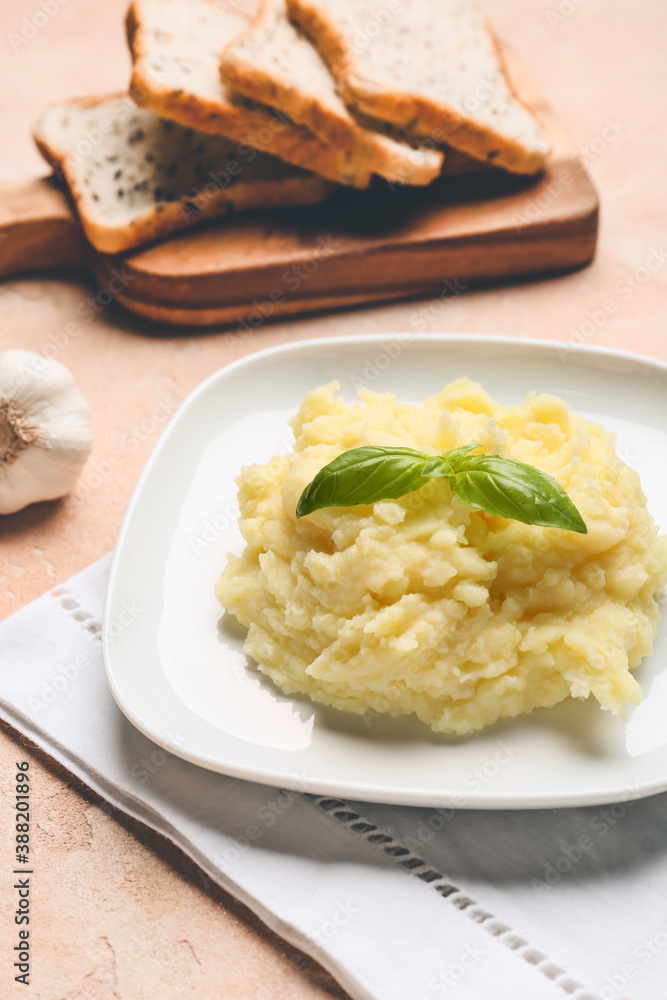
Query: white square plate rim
x=359 y=790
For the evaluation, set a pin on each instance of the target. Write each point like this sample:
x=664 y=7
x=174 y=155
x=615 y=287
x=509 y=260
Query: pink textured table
x=119 y=914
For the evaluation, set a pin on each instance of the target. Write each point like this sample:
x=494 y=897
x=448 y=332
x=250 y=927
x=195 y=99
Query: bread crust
x=391 y=157
x=412 y=110
x=168 y=217
x=256 y=82
x=257 y=126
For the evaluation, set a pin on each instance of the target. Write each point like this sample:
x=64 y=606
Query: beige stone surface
x=118 y=912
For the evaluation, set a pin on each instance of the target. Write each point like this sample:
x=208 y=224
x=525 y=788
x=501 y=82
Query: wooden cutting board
x=471 y=226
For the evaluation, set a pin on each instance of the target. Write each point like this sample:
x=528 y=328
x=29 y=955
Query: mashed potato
x=423 y=605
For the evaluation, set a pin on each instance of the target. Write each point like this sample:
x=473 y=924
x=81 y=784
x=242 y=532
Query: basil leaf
x=495 y=485
x=454 y=456
x=437 y=467
x=364 y=476
x=512 y=489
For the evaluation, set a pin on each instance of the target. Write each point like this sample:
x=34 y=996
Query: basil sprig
x=495 y=485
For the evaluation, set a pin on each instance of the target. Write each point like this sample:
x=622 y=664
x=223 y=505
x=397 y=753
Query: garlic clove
x=45 y=435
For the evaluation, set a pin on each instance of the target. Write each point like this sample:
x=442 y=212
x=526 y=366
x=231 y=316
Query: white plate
x=177 y=669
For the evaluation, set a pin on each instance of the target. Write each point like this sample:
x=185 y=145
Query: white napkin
x=397 y=903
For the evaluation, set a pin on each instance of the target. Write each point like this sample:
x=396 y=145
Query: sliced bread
x=134 y=176
x=274 y=62
x=176 y=47
x=432 y=66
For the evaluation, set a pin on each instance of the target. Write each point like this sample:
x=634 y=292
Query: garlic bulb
x=45 y=433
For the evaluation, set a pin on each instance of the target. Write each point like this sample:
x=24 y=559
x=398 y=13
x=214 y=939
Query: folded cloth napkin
x=397 y=903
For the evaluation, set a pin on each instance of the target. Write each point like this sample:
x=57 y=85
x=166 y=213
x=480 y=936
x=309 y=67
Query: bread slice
x=275 y=63
x=432 y=66
x=176 y=47
x=134 y=176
